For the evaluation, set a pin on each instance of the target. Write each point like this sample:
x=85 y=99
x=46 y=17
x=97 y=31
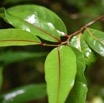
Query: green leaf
x=1 y=78
x=60 y=71
x=88 y=53
x=95 y=40
x=24 y=94
x=80 y=65
x=16 y=37
x=10 y=56
x=79 y=43
x=38 y=20
x=79 y=91
x=78 y=94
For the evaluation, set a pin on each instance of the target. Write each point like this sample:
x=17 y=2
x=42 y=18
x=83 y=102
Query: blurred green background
x=25 y=65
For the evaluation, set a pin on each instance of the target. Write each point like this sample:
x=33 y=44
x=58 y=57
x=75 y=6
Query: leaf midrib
x=58 y=87
x=94 y=36
x=37 y=28
x=19 y=41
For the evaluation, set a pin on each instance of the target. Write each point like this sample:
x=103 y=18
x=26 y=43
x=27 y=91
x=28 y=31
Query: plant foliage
x=65 y=64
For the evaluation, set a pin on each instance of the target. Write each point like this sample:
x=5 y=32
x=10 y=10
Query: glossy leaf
x=38 y=20
x=95 y=40
x=16 y=37
x=79 y=91
x=80 y=65
x=1 y=78
x=88 y=53
x=78 y=94
x=79 y=43
x=60 y=71
x=24 y=94
x=10 y=56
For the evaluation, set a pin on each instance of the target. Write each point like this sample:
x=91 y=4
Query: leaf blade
x=58 y=67
x=79 y=43
x=24 y=94
x=79 y=91
x=37 y=20
x=16 y=37
x=95 y=40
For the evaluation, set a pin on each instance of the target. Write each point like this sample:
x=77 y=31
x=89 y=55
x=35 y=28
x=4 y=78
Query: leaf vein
x=94 y=36
x=38 y=28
